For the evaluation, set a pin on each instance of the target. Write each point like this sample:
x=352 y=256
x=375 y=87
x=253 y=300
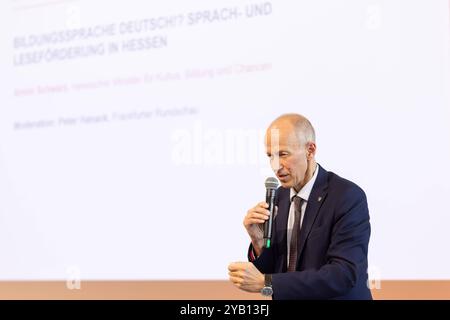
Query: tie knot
x=297 y=200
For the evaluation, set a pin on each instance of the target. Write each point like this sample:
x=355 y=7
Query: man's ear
x=310 y=150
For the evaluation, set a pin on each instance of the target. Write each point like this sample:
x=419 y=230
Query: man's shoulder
x=346 y=197
x=334 y=183
x=342 y=187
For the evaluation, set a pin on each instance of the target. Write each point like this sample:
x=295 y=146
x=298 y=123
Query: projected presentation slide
x=132 y=132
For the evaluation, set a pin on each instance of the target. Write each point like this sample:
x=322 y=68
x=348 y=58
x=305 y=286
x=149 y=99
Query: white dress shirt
x=304 y=194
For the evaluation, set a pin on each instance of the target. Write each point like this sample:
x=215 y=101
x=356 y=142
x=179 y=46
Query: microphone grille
x=271 y=183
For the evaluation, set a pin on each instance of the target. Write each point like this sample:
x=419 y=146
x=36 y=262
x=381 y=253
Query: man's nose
x=275 y=164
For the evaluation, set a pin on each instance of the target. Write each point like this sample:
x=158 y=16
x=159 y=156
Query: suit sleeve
x=265 y=262
x=346 y=257
x=251 y=254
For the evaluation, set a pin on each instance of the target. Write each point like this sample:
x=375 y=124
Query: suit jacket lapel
x=316 y=198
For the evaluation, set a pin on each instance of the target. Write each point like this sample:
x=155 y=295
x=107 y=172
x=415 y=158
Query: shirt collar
x=307 y=188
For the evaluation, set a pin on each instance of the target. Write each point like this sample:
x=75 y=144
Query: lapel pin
x=319 y=199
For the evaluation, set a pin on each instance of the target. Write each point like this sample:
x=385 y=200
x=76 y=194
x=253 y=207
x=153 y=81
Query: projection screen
x=131 y=132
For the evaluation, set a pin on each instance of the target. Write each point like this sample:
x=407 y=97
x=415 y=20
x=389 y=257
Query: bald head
x=299 y=125
x=291 y=147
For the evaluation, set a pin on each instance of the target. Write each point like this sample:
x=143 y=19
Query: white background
x=163 y=197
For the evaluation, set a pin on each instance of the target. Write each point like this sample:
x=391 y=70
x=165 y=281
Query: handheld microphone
x=271 y=187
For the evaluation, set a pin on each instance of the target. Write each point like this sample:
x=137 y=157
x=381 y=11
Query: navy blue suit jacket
x=332 y=245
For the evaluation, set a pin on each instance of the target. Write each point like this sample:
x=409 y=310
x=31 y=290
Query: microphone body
x=271 y=187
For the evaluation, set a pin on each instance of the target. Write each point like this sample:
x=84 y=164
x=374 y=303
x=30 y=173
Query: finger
x=237 y=274
x=236 y=280
x=249 y=221
x=259 y=210
x=262 y=204
x=254 y=221
x=235 y=266
x=259 y=215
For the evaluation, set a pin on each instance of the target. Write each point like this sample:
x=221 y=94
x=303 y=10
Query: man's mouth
x=283 y=177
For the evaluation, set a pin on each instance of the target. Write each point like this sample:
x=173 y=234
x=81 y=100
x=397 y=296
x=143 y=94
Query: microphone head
x=271 y=183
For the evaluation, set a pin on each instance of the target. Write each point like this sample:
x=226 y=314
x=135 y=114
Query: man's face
x=288 y=156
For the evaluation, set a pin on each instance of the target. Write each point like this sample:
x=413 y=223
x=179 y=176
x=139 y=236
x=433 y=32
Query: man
x=321 y=229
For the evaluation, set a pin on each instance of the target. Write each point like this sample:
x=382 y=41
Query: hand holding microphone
x=258 y=221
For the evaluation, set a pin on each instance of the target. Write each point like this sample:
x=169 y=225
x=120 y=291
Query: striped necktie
x=294 y=234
